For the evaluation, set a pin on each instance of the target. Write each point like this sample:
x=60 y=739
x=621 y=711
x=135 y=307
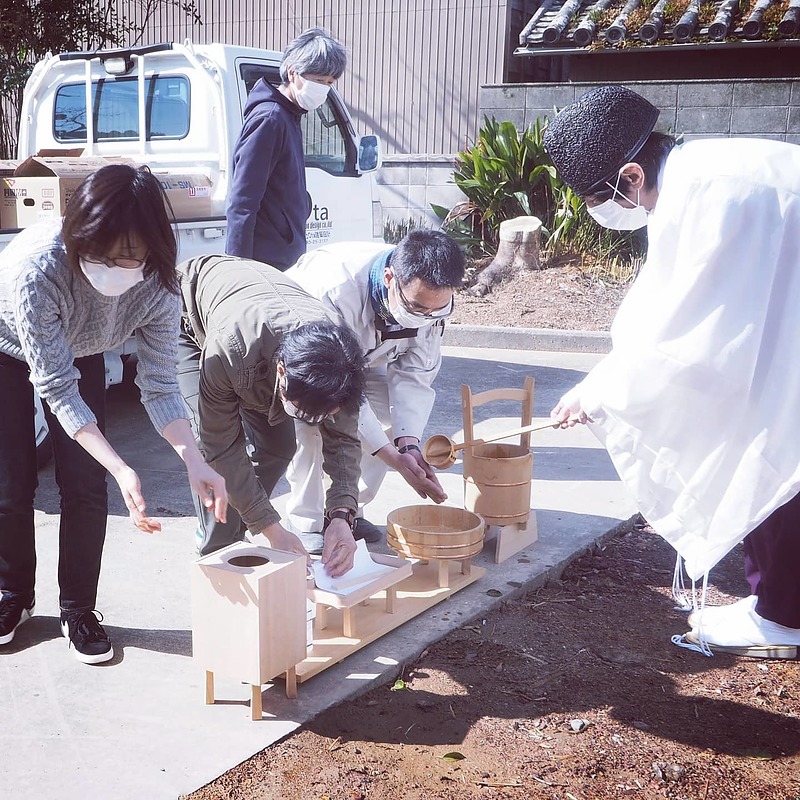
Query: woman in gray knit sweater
x=69 y=291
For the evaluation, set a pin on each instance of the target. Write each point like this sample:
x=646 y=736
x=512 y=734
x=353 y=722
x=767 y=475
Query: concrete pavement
x=137 y=727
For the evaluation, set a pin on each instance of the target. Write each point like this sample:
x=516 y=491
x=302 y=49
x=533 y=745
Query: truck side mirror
x=369 y=153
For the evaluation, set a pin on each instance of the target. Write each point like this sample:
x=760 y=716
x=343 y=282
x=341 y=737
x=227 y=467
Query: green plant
x=505 y=174
x=459 y=222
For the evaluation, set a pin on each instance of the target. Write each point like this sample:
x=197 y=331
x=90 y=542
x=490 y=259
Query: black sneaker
x=86 y=635
x=363 y=529
x=13 y=612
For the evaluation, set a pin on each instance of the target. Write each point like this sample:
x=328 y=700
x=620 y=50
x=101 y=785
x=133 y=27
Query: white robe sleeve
x=698 y=401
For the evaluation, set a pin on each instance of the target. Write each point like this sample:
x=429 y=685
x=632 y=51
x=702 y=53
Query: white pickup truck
x=178 y=108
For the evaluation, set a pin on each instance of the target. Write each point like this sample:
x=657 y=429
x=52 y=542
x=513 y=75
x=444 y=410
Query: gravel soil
x=562 y=297
x=573 y=691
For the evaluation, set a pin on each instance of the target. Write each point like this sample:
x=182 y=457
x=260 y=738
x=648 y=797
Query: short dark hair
x=650 y=157
x=431 y=256
x=116 y=201
x=324 y=368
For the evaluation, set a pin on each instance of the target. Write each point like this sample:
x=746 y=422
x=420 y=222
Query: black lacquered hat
x=593 y=137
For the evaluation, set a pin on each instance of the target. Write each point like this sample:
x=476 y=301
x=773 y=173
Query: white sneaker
x=745 y=633
x=711 y=615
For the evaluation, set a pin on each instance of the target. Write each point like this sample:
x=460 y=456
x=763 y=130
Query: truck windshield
x=115 y=106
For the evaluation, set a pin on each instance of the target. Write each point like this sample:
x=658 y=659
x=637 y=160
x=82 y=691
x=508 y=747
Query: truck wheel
x=44 y=447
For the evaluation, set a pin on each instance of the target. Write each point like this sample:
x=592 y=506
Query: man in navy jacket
x=268 y=204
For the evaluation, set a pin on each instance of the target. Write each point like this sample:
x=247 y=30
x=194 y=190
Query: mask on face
x=110 y=281
x=610 y=214
x=295 y=412
x=408 y=319
x=310 y=94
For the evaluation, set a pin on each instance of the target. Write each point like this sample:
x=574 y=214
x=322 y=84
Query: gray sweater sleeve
x=157 y=375
x=56 y=318
x=43 y=342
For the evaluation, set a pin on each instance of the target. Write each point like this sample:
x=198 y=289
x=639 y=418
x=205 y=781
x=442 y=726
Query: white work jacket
x=338 y=275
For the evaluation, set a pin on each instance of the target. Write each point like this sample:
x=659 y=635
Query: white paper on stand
x=364 y=571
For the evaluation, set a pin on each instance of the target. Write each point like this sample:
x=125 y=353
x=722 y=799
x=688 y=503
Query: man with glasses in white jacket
x=396 y=300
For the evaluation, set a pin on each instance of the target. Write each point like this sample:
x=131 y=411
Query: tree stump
x=519 y=249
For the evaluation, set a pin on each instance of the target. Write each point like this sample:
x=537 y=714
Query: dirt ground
x=560 y=297
x=573 y=691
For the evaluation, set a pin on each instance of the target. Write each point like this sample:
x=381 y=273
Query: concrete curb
x=496 y=337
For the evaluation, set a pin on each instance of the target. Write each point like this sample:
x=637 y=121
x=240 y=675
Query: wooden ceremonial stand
x=249 y=617
x=497 y=477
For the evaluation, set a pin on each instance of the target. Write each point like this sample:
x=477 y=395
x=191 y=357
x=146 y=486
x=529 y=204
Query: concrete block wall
x=768 y=108
x=408 y=184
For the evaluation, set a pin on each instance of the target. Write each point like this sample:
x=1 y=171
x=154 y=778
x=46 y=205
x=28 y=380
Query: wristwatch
x=341 y=513
x=406 y=447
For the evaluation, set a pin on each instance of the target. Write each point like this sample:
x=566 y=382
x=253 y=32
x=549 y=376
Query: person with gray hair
x=268 y=203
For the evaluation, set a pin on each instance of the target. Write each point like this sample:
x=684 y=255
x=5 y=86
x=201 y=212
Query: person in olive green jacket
x=257 y=352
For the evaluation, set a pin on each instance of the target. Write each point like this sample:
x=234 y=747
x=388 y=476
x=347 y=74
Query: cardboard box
x=189 y=195
x=40 y=188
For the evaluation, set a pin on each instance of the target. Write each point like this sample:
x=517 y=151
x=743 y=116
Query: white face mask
x=111 y=281
x=295 y=412
x=610 y=214
x=310 y=94
x=408 y=319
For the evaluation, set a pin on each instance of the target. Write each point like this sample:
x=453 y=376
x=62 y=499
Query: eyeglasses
x=121 y=261
x=420 y=310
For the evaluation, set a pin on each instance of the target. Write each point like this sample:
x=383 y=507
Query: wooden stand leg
x=348 y=628
x=391 y=597
x=255 y=702
x=466 y=566
x=209 y=688
x=291 y=683
x=321 y=619
x=444 y=574
x=513 y=538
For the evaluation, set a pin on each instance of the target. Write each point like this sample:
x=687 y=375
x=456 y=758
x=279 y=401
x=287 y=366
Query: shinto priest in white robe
x=698 y=403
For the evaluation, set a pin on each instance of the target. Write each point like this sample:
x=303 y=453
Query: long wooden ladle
x=440 y=451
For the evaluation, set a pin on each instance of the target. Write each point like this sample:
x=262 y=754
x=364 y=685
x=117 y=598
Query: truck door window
x=115 y=107
x=327 y=144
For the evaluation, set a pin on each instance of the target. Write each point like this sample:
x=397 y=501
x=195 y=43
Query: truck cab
x=178 y=108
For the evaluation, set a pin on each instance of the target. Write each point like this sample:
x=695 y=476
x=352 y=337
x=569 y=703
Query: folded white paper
x=364 y=571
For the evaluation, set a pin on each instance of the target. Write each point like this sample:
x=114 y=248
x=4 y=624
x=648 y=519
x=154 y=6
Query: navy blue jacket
x=268 y=204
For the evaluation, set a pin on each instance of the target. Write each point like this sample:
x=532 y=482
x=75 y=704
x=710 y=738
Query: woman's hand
x=339 y=548
x=131 y=489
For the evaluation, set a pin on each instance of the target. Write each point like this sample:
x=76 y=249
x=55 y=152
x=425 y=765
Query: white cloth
x=363 y=572
x=400 y=375
x=698 y=403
